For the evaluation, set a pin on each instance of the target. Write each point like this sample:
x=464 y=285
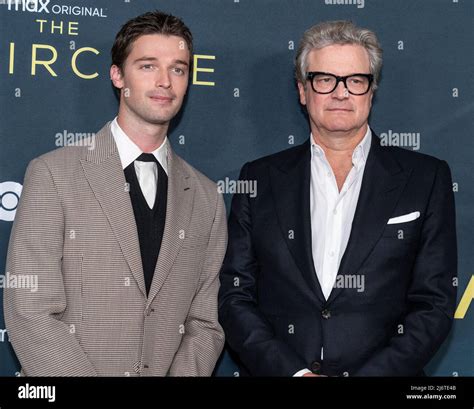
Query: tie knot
x=147 y=157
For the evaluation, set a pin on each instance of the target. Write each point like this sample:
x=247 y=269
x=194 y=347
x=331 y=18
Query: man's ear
x=116 y=76
x=302 y=93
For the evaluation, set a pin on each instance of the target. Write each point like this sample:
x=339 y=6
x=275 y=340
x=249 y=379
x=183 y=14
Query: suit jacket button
x=315 y=367
x=148 y=311
x=326 y=314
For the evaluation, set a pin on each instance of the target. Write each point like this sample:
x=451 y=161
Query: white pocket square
x=404 y=218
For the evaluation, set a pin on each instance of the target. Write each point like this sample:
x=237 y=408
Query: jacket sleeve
x=44 y=345
x=432 y=293
x=203 y=338
x=247 y=330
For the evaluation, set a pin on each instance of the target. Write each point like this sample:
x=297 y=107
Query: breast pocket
x=195 y=241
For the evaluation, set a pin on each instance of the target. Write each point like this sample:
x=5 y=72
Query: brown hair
x=153 y=22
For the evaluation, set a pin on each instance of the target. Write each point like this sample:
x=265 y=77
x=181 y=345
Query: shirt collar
x=360 y=154
x=129 y=152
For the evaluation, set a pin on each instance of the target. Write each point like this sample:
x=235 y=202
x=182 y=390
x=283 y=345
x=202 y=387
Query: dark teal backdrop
x=242 y=102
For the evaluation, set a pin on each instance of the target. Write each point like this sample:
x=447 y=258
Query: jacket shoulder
x=60 y=163
x=411 y=159
x=279 y=158
x=63 y=155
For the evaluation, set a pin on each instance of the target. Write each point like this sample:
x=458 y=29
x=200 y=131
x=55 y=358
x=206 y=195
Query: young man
x=343 y=265
x=126 y=239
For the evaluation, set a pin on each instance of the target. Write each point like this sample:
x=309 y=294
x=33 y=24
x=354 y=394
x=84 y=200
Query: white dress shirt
x=332 y=212
x=147 y=172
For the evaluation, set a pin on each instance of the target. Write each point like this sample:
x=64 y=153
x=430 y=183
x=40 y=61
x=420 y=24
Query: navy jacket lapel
x=383 y=182
x=290 y=183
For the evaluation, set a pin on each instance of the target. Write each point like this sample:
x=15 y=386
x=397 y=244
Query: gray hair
x=338 y=32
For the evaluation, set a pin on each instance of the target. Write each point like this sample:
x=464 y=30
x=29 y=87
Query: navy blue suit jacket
x=271 y=306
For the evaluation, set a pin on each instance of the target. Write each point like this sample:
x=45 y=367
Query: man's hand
x=313 y=374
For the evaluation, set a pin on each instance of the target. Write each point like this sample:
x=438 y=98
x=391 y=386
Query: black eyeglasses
x=325 y=83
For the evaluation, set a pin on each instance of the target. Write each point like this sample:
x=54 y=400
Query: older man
x=343 y=265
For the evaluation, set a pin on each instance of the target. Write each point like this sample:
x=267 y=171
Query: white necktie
x=147 y=175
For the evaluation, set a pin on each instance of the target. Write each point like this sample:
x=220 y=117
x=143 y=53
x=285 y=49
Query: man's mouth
x=339 y=109
x=161 y=98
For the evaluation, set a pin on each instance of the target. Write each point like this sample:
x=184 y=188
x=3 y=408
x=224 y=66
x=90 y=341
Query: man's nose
x=163 y=79
x=341 y=92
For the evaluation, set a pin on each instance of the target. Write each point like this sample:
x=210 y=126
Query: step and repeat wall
x=242 y=104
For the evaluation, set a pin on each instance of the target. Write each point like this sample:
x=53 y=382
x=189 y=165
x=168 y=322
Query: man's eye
x=358 y=80
x=146 y=67
x=178 y=70
x=323 y=80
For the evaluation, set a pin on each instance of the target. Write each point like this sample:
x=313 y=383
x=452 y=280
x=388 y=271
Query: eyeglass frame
x=311 y=74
